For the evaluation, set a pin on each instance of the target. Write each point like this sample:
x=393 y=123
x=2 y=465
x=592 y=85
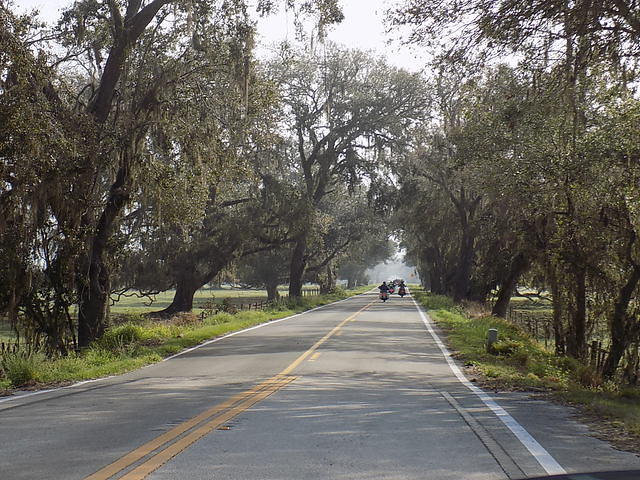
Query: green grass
x=521 y=362
x=141 y=341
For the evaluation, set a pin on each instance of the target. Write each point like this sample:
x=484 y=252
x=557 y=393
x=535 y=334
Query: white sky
x=362 y=28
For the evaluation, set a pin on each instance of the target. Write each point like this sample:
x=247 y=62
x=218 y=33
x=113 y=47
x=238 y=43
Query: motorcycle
x=402 y=291
x=384 y=296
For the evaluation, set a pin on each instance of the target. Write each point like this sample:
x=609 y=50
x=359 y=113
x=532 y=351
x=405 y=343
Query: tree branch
x=116 y=16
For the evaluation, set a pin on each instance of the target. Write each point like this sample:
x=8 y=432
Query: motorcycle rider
x=384 y=291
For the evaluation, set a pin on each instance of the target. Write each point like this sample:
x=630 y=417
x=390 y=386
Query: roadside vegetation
x=520 y=362
x=138 y=340
x=145 y=148
x=530 y=174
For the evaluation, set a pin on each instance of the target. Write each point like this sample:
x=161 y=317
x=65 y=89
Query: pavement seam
x=154 y=462
x=542 y=456
x=503 y=459
x=157 y=445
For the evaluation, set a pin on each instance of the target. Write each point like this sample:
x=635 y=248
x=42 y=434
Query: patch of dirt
x=185 y=319
x=32 y=386
x=152 y=342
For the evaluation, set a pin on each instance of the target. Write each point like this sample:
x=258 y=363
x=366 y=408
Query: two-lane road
x=354 y=390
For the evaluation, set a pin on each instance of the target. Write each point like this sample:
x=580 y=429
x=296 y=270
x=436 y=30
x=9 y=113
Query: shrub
x=432 y=301
x=521 y=357
x=97 y=356
x=22 y=367
x=228 y=306
x=117 y=338
x=123 y=318
x=185 y=319
x=506 y=347
x=491 y=372
x=533 y=378
x=219 y=318
x=302 y=303
x=588 y=376
x=567 y=364
x=160 y=331
x=539 y=369
x=210 y=307
x=474 y=309
x=339 y=290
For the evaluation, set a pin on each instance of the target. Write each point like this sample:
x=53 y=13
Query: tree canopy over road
x=537 y=162
x=144 y=147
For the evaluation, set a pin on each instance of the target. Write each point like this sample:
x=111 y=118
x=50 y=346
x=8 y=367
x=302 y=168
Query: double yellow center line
x=164 y=447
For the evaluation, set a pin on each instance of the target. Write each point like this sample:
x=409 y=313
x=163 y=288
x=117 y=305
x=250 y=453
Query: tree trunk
x=425 y=281
x=463 y=272
x=620 y=338
x=93 y=301
x=331 y=272
x=272 y=291
x=297 y=267
x=576 y=344
x=329 y=283
x=323 y=284
x=186 y=288
x=558 y=309
x=189 y=279
x=433 y=273
x=94 y=282
x=519 y=265
x=127 y=31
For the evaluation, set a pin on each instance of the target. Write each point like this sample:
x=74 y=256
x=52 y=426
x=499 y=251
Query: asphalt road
x=354 y=390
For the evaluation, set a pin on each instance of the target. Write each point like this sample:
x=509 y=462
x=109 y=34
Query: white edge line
x=544 y=458
x=208 y=342
x=38 y=392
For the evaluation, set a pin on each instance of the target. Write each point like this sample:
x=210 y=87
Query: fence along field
x=536 y=318
x=207 y=301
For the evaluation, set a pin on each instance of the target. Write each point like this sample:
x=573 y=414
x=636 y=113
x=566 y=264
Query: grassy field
x=521 y=362
x=536 y=317
x=136 y=305
x=141 y=341
x=6 y=333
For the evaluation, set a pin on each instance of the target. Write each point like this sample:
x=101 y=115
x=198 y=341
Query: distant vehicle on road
x=384 y=291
